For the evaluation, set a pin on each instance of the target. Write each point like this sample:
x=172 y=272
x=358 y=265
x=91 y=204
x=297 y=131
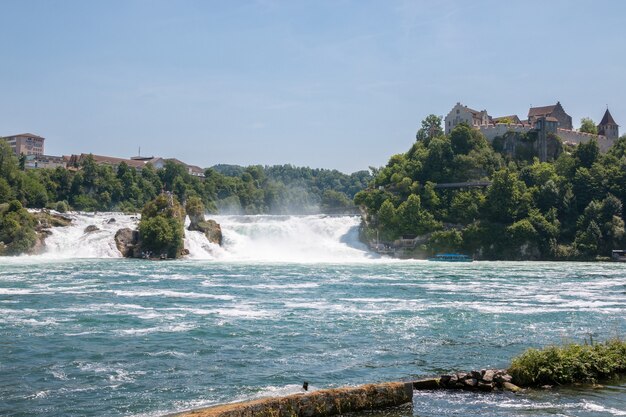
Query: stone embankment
x=321 y=403
x=486 y=380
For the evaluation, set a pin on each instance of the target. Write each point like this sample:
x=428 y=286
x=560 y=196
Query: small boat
x=451 y=257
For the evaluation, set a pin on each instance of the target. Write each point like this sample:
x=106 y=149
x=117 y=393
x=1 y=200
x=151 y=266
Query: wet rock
x=111 y=220
x=91 y=228
x=485 y=386
x=507 y=386
x=453 y=380
x=444 y=380
x=471 y=382
x=488 y=375
x=501 y=378
x=127 y=242
x=476 y=374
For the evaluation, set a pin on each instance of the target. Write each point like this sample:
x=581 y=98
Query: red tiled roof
x=111 y=160
x=540 y=111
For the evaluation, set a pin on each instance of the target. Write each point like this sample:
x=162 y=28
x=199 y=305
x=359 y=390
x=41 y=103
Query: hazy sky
x=332 y=84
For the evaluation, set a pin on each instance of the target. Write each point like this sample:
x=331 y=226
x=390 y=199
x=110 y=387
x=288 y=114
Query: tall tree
x=431 y=127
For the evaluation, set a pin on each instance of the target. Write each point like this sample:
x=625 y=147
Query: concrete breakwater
x=330 y=402
x=320 y=403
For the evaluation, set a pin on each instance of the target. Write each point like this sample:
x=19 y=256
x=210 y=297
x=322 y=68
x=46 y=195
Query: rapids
x=285 y=299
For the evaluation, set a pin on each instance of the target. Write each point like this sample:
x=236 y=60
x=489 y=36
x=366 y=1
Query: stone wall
x=574 y=137
x=491 y=131
x=567 y=136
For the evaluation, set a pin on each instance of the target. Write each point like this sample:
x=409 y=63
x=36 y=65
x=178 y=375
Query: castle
x=545 y=120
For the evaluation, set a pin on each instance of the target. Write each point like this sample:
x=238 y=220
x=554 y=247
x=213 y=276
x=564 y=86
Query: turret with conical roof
x=608 y=127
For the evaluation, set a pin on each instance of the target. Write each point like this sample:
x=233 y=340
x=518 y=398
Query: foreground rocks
x=486 y=380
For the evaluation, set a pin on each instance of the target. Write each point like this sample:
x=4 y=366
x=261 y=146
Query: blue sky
x=329 y=84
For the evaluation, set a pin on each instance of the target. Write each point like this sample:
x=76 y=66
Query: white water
x=313 y=238
x=72 y=241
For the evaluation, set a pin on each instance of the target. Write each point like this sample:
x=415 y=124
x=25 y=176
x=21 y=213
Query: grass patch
x=572 y=363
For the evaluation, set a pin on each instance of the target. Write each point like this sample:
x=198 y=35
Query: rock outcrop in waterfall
x=211 y=229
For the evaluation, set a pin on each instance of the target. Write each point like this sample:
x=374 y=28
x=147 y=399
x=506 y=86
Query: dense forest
x=247 y=190
x=570 y=207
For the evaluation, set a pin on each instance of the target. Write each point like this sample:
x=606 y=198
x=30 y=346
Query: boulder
x=127 y=242
x=507 y=386
x=488 y=375
x=484 y=386
x=471 y=382
x=211 y=229
x=91 y=228
x=111 y=220
x=502 y=377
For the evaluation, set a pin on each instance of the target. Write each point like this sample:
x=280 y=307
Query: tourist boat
x=619 y=255
x=451 y=257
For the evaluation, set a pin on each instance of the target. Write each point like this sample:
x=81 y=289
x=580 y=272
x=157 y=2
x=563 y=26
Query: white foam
x=301 y=239
x=587 y=405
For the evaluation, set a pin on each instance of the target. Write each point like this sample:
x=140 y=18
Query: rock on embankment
x=321 y=403
x=484 y=380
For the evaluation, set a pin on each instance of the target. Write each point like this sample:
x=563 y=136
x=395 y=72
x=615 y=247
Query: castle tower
x=608 y=127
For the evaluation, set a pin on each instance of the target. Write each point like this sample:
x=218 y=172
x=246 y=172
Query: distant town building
x=556 y=111
x=45 y=161
x=607 y=126
x=158 y=163
x=76 y=161
x=463 y=114
x=136 y=162
x=26 y=144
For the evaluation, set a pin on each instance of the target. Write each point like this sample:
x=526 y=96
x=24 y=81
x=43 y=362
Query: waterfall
x=262 y=238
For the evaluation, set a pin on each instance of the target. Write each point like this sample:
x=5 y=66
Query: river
x=287 y=299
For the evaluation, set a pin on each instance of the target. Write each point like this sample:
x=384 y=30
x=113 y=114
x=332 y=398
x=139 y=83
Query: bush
x=569 y=364
x=62 y=207
x=17 y=229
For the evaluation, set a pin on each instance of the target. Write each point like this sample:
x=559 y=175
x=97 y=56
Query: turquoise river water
x=114 y=337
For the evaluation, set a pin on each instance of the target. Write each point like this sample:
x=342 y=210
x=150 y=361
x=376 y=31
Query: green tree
x=588 y=126
x=504 y=201
x=431 y=127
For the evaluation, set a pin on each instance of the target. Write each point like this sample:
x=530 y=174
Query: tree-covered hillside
x=246 y=190
x=568 y=208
